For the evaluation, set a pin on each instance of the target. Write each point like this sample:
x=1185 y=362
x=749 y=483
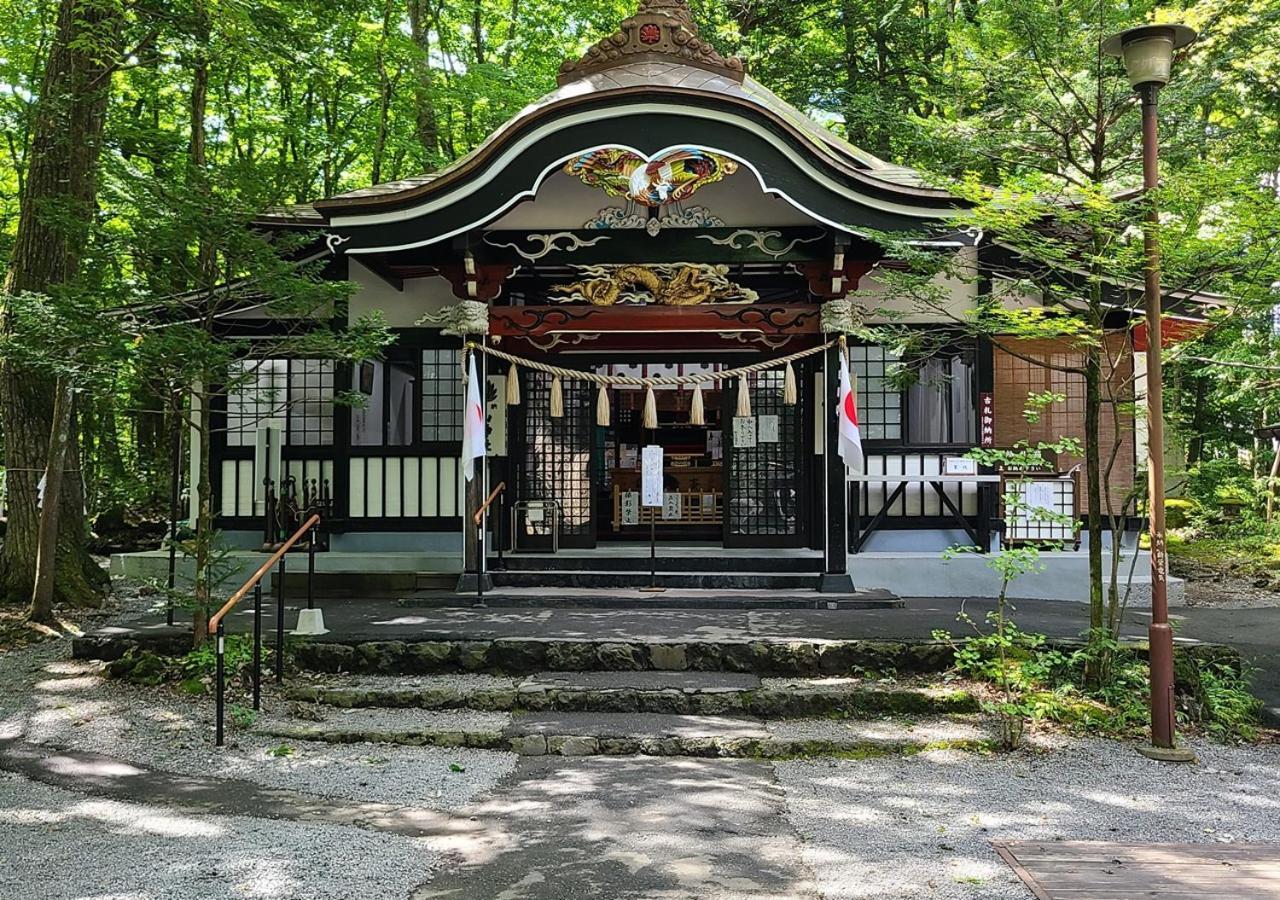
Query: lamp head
x=1147 y=51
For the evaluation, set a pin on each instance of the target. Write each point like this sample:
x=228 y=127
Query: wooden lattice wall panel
x=1029 y=367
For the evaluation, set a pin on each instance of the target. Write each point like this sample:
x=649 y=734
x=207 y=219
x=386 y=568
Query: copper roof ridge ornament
x=659 y=29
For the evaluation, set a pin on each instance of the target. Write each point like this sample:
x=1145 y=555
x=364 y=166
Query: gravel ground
x=920 y=826
x=76 y=847
x=47 y=697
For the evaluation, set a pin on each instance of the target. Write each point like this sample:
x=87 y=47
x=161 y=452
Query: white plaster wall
x=402 y=309
x=962 y=292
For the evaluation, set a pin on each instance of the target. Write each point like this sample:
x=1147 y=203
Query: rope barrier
x=661 y=381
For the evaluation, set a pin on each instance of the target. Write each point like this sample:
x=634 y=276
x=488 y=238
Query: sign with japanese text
x=986 y=419
x=651 y=475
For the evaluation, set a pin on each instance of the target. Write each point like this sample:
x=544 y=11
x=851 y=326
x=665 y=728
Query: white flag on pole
x=473 y=438
x=847 y=416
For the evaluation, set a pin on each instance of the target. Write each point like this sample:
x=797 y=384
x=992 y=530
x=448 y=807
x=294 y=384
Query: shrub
x=1041 y=682
x=1178 y=512
x=1218 y=485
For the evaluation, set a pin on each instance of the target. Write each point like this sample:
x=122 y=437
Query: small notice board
x=651 y=475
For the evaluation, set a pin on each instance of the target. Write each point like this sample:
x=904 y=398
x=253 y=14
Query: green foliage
x=202 y=661
x=1178 y=512
x=243 y=717
x=1041 y=682
x=1225 y=705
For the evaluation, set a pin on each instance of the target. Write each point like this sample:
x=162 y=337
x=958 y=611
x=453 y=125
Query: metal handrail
x=216 y=619
x=217 y=622
x=484 y=507
x=478 y=518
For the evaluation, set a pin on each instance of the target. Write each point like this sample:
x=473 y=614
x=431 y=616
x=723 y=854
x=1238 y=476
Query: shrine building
x=658 y=220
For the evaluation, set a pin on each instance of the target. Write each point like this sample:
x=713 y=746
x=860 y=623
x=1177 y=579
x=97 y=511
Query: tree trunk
x=1093 y=481
x=53 y=227
x=204 y=522
x=1199 y=422
x=47 y=535
x=427 y=125
x=206 y=279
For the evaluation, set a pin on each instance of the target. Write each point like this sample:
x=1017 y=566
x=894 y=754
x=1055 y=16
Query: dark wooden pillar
x=835 y=559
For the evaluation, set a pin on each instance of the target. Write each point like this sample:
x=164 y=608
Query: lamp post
x=1147 y=52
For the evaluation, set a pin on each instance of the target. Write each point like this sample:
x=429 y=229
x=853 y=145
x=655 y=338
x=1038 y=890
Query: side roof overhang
x=648 y=108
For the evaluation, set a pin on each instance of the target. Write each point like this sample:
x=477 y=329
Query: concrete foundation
x=1065 y=576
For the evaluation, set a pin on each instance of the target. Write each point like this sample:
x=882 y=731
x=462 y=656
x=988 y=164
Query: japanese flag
x=847 y=416
x=473 y=438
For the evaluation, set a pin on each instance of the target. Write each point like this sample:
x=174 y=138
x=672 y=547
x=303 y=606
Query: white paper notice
x=630 y=508
x=671 y=511
x=1040 y=495
x=744 y=432
x=767 y=430
x=651 y=475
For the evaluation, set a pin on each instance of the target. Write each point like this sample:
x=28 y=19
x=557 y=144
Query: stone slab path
x=680 y=829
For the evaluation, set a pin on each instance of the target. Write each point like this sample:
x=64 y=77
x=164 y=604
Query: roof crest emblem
x=660 y=29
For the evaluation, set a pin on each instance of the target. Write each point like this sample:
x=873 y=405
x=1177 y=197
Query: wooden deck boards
x=1084 y=870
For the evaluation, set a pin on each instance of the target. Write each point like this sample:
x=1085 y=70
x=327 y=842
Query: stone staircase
x=783 y=579
x=707 y=698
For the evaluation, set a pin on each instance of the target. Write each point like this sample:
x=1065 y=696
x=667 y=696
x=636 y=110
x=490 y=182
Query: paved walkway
x=631 y=827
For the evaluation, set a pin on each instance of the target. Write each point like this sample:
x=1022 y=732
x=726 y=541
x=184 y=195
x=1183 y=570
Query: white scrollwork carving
x=550 y=243
x=758 y=239
x=562 y=338
x=334 y=241
x=772 y=342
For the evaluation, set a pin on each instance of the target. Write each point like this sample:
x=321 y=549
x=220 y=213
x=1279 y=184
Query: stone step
x=634 y=598
x=637 y=560
x=625 y=734
x=671 y=693
x=745 y=579
x=363 y=583
x=530 y=655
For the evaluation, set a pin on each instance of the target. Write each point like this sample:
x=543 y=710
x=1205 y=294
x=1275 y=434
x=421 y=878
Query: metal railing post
x=217 y=623
x=499 y=528
x=311 y=569
x=280 y=624
x=480 y=559
x=220 y=678
x=257 y=646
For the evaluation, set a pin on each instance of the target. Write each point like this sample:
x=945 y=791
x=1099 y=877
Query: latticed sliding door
x=554 y=463
x=765 y=483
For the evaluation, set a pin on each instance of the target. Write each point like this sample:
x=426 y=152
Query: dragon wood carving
x=681 y=284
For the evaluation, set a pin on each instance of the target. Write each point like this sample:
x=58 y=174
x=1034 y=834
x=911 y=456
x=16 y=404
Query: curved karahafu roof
x=652 y=87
